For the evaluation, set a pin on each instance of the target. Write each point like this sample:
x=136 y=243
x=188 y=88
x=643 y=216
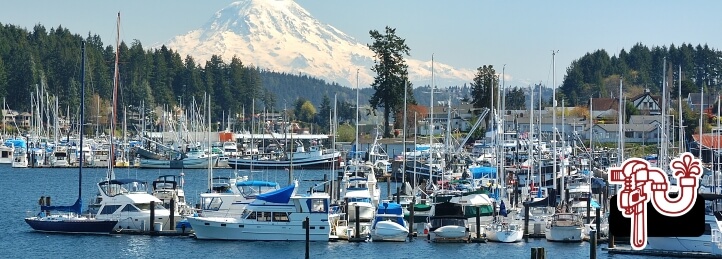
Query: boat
x=228 y=197
x=59 y=157
x=170 y=191
x=6 y=153
x=705 y=243
x=359 y=197
x=389 y=223
x=20 y=156
x=127 y=200
x=273 y=216
x=68 y=219
x=315 y=157
x=565 y=227
x=502 y=231
x=447 y=223
x=180 y=163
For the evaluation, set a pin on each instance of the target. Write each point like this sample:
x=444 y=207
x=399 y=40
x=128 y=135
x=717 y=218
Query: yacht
x=274 y=216
x=228 y=197
x=360 y=196
x=170 y=191
x=6 y=153
x=128 y=202
x=704 y=243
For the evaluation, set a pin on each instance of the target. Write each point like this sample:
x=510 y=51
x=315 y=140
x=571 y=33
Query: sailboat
x=68 y=218
x=127 y=199
x=503 y=231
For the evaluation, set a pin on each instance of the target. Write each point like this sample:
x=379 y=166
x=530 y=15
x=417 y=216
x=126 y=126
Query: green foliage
x=642 y=67
x=484 y=88
x=391 y=78
x=346 y=133
x=515 y=99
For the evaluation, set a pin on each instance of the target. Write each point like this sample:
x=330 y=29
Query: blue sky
x=462 y=33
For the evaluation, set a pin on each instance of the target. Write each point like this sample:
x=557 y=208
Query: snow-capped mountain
x=280 y=35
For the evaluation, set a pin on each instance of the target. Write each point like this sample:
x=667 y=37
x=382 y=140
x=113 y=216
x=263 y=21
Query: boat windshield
x=440 y=222
x=359 y=199
x=146 y=206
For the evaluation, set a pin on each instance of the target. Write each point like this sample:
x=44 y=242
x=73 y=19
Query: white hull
x=564 y=234
x=496 y=233
x=449 y=233
x=234 y=229
x=389 y=231
x=187 y=163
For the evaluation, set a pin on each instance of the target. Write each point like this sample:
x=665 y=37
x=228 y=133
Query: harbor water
x=20 y=189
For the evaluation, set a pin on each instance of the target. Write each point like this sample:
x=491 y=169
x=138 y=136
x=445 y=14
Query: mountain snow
x=280 y=35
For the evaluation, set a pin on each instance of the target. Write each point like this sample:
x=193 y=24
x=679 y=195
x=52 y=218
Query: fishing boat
x=273 y=216
x=389 y=223
x=447 y=223
x=502 y=231
x=315 y=157
x=68 y=219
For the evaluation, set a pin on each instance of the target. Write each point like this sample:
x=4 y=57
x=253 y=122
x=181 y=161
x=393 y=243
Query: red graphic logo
x=642 y=183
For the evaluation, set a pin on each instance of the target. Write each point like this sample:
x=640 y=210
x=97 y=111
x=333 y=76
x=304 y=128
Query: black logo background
x=688 y=225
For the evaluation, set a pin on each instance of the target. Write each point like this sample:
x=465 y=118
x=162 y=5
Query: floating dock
x=654 y=252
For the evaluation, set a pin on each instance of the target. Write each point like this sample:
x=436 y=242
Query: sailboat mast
x=680 y=141
x=82 y=116
x=620 y=124
x=403 y=162
x=111 y=162
x=554 y=126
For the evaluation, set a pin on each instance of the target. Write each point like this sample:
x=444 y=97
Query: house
x=604 y=110
x=9 y=116
x=647 y=104
x=646 y=119
x=633 y=133
x=693 y=100
x=23 y=119
x=460 y=118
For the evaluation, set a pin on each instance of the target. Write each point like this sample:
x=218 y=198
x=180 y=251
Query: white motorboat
x=703 y=243
x=447 y=224
x=565 y=227
x=20 y=159
x=6 y=153
x=128 y=201
x=170 y=192
x=229 y=197
x=315 y=157
x=389 y=223
x=273 y=216
x=359 y=195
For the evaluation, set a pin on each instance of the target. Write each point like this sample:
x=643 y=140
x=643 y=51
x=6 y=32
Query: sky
x=516 y=37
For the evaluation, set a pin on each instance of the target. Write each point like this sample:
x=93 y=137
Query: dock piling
x=308 y=237
x=152 y=217
x=526 y=222
x=172 y=215
x=593 y=244
x=597 y=220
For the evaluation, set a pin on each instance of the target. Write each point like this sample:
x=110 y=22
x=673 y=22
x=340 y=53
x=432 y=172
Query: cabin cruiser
x=447 y=223
x=128 y=201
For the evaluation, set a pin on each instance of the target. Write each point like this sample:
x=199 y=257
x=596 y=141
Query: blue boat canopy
x=390 y=208
x=75 y=208
x=594 y=204
x=282 y=195
x=16 y=143
x=257 y=183
x=483 y=172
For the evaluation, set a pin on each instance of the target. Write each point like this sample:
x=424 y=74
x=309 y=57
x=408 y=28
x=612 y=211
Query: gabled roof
x=709 y=99
x=627 y=127
x=654 y=97
x=603 y=104
x=645 y=119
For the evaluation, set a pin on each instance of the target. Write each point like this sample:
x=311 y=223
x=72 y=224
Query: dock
x=654 y=252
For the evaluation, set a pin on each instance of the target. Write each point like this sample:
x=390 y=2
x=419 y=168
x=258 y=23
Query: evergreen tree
x=391 y=73
x=484 y=88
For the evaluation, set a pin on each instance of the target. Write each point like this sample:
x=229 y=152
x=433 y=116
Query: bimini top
x=282 y=195
x=257 y=183
x=16 y=143
x=390 y=208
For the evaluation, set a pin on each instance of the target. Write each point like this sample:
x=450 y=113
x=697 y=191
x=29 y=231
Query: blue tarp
x=282 y=195
x=483 y=171
x=16 y=143
x=256 y=183
x=594 y=204
x=75 y=208
x=598 y=182
x=390 y=208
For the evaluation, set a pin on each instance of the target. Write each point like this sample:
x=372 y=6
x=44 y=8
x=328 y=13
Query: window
x=212 y=203
x=318 y=205
x=251 y=215
x=130 y=208
x=280 y=217
x=109 y=209
x=263 y=216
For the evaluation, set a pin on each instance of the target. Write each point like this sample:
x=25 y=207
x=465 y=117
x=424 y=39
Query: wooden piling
x=526 y=221
x=308 y=237
x=478 y=222
x=152 y=217
x=589 y=206
x=598 y=221
x=593 y=244
x=610 y=241
x=172 y=214
x=358 y=222
x=411 y=218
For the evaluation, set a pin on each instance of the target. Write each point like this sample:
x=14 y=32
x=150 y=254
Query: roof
x=603 y=104
x=627 y=127
x=709 y=140
x=654 y=97
x=694 y=98
x=645 y=119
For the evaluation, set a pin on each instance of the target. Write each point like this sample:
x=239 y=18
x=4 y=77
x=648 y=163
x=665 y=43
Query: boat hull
x=310 y=163
x=389 y=231
x=74 y=226
x=187 y=163
x=571 y=234
x=449 y=234
x=233 y=229
x=504 y=236
x=681 y=244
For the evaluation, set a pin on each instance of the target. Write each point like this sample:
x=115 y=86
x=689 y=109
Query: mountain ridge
x=260 y=33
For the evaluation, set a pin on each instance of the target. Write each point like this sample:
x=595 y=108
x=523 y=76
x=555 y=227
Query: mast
x=554 y=125
x=664 y=145
x=111 y=162
x=358 y=142
x=403 y=162
x=701 y=114
x=431 y=122
x=680 y=141
x=82 y=116
x=621 y=128
x=530 y=137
